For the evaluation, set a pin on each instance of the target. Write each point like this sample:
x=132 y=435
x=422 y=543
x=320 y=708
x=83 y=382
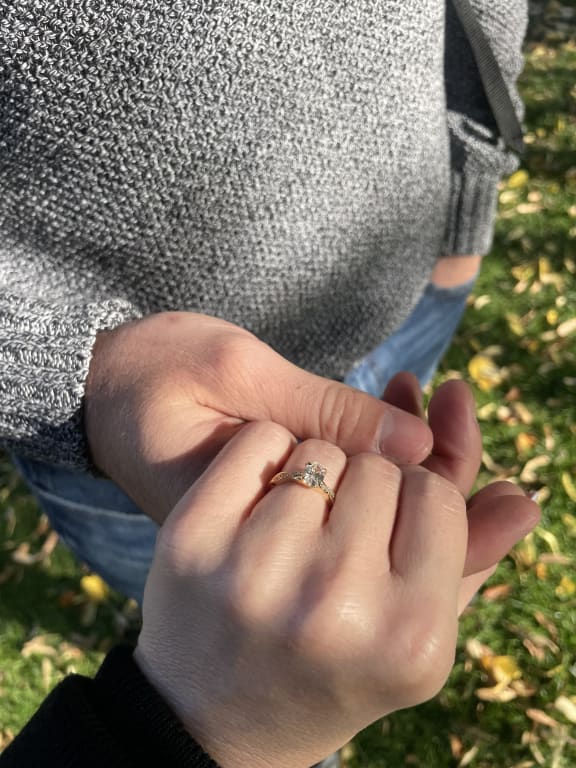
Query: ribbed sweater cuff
x=45 y=351
x=471 y=213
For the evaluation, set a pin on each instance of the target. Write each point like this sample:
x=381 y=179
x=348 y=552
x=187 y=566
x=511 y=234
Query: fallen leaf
x=568 y=485
x=95 y=588
x=566 y=588
x=47 y=671
x=547 y=624
x=477 y=650
x=523 y=413
x=529 y=473
x=551 y=558
x=570 y=523
x=468 y=757
x=497 y=592
x=484 y=372
x=549 y=538
x=525 y=442
x=566 y=328
x=540 y=717
x=456 y=746
x=502 y=669
x=541 y=571
x=567 y=707
x=518 y=180
x=523 y=689
x=38 y=646
x=499 y=693
x=528 y=208
x=524 y=553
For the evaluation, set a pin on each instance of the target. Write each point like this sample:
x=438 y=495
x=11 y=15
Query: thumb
x=311 y=406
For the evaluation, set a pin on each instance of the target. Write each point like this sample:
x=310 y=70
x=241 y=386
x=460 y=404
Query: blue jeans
x=106 y=530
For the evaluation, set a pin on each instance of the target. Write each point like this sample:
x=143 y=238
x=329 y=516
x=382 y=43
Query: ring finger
x=299 y=504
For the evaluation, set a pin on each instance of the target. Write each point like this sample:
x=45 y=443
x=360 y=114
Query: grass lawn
x=511 y=699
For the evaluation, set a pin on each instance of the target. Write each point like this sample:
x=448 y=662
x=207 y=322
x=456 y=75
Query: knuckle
x=372 y=463
x=433 y=487
x=268 y=432
x=427 y=640
x=328 y=452
x=340 y=413
x=247 y=600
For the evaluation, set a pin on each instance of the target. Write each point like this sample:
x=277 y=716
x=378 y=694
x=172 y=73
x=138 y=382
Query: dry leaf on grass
x=540 y=717
x=38 y=646
x=567 y=707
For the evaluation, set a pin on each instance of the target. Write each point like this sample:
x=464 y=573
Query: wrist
x=451 y=271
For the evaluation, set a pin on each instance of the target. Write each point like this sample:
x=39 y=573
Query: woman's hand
x=276 y=628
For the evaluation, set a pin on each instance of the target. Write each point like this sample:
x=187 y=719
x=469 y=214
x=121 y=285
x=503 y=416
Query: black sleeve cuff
x=117 y=720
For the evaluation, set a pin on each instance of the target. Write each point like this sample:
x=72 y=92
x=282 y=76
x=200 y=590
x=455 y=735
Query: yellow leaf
x=484 y=372
x=515 y=324
x=541 y=571
x=570 y=523
x=549 y=538
x=503 y=669
x=567 y=707
x=566 y=588
x=544 y=266
x=552 y=316
x=518 y=179
x=525 y=553
x=94 y=588
x=525 y=442
x=568 y=485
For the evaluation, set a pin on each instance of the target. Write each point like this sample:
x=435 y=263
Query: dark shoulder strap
x=492 y=79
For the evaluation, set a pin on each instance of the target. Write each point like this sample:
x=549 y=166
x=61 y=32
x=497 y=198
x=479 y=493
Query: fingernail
x=403 y=438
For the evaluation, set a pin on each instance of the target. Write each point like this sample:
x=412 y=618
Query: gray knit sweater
x=293 y=166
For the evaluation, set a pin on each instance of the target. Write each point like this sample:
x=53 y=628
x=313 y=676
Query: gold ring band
x=312 y=476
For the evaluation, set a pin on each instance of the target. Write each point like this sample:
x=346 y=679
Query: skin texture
x=165 y=393
x=451 y=271
x=276 y=628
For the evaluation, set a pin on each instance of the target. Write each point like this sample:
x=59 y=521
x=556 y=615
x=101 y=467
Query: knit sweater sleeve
x=45 y=349
x=117 y=720
x=478 y=156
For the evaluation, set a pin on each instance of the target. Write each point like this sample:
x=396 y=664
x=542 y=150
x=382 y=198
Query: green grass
x=526 y=292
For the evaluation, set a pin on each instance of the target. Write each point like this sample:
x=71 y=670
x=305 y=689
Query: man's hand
x=276 y=628
x=165 y=393
x=500 y=514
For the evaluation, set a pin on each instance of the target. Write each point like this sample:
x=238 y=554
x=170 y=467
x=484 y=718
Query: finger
x=457 y=451
x=314 y=407
x=470 y=586
x=207 y=517
x=295 y=508
x=495 y=490
x=495 y=523
x=429 y=541
x=404 y=392
x=362 y=519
